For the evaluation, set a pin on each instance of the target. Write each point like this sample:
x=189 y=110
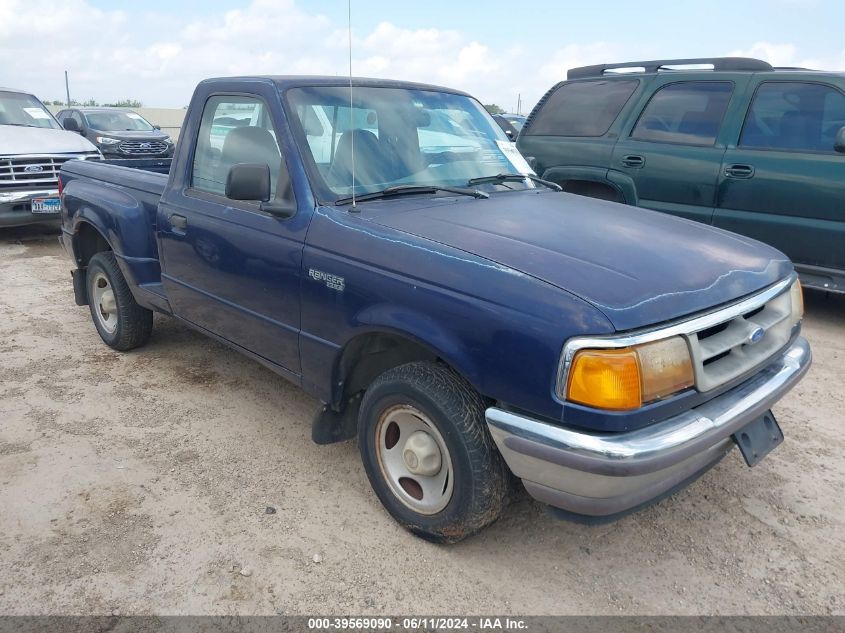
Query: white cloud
x=157 y=60
x=111 y=55
x=786 y=54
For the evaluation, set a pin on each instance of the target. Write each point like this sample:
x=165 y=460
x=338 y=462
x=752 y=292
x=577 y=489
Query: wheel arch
x=587 y=181
x=361 y=359
x=88 y=241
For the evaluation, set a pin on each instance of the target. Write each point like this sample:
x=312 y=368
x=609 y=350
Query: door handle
x=179 y=222
x=632 y=160
x=739 y=171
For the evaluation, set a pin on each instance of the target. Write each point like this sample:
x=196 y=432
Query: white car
x=33 y=146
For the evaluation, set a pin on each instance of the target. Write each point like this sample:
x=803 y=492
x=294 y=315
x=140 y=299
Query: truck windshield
x=400 y=137
x=17 y=108
x=117 y=121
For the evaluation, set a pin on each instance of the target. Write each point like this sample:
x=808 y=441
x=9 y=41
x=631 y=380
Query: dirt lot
x=139 y=482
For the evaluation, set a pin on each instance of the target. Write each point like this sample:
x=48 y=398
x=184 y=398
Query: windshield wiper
x=398 y=190
x=506 y=177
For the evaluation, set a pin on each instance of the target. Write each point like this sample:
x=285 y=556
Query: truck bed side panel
x=120 y=203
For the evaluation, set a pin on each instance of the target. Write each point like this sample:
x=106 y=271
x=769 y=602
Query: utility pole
x=519 y=103
x=67 y=90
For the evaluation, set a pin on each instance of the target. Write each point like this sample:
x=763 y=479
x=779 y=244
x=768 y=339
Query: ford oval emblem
x=33 y=169
x=755 y=336
x=145 y=146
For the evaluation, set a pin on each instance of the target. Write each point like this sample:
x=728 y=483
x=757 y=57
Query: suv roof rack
x=718 y=63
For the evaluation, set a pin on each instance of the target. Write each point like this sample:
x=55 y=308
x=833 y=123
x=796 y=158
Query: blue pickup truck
x=384 y=246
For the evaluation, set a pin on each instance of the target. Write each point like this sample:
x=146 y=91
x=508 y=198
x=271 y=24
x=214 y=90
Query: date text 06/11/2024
x=416 y=623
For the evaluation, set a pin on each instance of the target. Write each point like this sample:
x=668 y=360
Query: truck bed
x=141 y=174
x=118 y=193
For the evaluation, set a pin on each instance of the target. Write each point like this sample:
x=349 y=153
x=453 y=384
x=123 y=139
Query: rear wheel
x=120 y=321
x=427 y=452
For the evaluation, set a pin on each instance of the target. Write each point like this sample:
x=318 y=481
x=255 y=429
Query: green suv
x=731 y=142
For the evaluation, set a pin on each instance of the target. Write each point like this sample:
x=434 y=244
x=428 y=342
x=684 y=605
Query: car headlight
x=796 y=295
x=105 y=140
x=168 y=140
x=629 y=377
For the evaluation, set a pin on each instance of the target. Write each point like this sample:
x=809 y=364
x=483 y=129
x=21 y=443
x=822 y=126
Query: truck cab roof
x=300 y=81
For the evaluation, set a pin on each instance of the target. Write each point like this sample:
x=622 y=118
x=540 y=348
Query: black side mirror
x=71 y=125
x=248 y=181
x=839 y=143
x=251 y=181
x=511 y=135
x=156 y=127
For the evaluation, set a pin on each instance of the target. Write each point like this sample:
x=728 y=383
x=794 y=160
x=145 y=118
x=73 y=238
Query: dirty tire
x=134 y=324
x=481 y=479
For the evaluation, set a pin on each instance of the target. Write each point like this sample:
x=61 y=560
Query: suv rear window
x=794 y=116
x=582 y=108
x=689 y=113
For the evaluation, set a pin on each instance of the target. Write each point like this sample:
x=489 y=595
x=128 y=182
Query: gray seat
x=250 y=145
x=370 y=160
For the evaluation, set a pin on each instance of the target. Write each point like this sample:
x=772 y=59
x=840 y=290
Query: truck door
x=229 y=267
x=782 y=182
x=672 y=152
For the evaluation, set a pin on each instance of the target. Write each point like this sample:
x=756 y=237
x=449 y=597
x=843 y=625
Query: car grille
x=141 y=148
x=18 y=172
x=725 y=351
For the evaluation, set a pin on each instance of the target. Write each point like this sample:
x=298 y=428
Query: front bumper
x=602 y=475
x=16 y=207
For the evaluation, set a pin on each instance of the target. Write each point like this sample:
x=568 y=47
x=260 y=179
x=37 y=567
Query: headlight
x=627 y=378
x=796 y=295
x=105 y=140
x=168 y=140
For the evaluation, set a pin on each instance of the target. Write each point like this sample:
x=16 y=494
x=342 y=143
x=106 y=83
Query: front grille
x=18 y=172
x=727 y=350
x=141 y=148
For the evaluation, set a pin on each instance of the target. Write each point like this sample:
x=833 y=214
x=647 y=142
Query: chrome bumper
x=10 y=199
x=601 y=475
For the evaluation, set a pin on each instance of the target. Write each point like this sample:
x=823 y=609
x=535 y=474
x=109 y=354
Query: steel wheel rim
x=104 y=302
x=404 y=429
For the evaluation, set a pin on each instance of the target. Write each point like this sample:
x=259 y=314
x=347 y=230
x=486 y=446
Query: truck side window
x=687 y=113
x=582 y=108
x=794 y=116
x=233 y=130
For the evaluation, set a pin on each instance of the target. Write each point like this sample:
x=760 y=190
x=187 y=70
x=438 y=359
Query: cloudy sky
x=156 y=50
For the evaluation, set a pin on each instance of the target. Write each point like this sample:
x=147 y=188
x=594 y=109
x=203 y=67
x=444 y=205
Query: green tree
x=126 y=103
x=492 y=108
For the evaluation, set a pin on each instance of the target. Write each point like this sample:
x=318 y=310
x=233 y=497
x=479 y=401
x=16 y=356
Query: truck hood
x=638 y=267
x=37 y=140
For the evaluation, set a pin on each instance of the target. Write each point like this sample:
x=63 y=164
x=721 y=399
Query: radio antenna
x=351 y=121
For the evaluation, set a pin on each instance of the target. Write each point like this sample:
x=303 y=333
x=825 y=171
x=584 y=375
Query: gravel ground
x=140 y=482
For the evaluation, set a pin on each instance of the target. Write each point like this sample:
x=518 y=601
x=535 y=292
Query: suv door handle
x=739 y=171
x=632 y=160
x=179 y=222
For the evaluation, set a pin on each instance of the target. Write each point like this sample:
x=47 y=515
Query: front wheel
x=120 y=321
x=427 y=452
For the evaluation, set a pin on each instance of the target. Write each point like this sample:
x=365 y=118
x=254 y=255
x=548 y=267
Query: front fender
x=423 y=330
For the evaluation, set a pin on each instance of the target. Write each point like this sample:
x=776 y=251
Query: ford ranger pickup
x=384 y=246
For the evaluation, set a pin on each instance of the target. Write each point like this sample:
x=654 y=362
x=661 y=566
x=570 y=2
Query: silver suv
x=33 y=146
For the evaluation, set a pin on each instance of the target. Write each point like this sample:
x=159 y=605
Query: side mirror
x=156 y=127
x=248 y=181
x=511 y=135
x=71 y=125
x=251 y=181
x=839 y=143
